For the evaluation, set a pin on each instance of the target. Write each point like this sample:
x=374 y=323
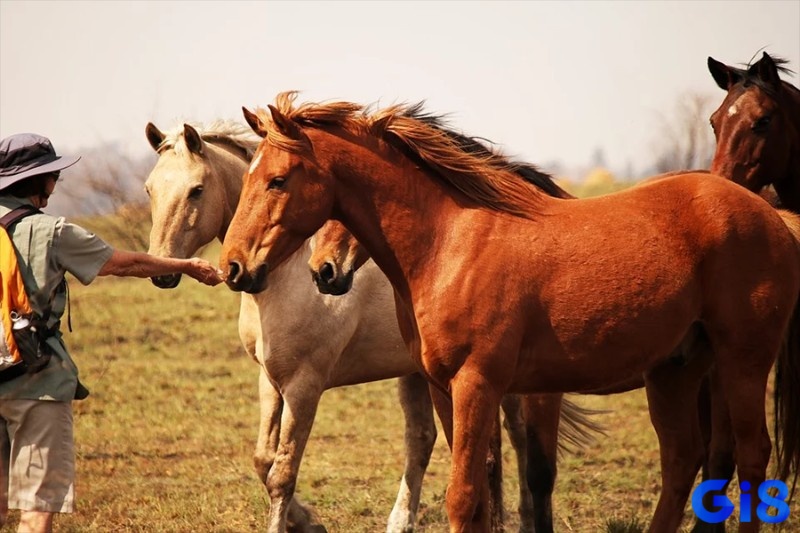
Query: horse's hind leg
x=514 y=423
x=744 y=374
x=720 y=462
x=672 y=399
x=420 y=436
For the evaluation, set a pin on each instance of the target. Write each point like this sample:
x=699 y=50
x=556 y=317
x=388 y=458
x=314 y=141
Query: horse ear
x=767 y=71
x=154 y=136
x=288 y=126
x=193 y=140
x=724 y=75
x=254 y=122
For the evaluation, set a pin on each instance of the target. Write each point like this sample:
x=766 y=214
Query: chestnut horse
x=757 y=127
x=337 y=256
x=501 y=288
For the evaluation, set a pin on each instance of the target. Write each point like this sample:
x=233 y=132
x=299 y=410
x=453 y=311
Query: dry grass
x=164 y=442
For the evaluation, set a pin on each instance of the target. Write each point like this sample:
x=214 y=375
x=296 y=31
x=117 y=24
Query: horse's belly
x=600 y=350
x=582 y=373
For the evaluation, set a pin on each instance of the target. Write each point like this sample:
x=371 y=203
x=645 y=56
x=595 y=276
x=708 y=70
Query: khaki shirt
x=48 y=247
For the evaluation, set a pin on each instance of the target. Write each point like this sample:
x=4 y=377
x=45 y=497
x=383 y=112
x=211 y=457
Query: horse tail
x=577 y=430
x=787 y=384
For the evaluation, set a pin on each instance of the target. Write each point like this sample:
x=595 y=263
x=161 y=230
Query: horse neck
x=391 y=206
x=230 y=167
x=788 y=185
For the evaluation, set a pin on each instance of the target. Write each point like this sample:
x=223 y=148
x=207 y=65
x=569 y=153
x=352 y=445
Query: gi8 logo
x=726 y=507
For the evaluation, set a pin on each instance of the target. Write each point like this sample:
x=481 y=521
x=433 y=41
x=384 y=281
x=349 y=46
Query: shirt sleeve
x=80 y=252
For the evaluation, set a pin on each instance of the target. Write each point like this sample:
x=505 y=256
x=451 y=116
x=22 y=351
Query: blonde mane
x=486 y=176
x=228 y=134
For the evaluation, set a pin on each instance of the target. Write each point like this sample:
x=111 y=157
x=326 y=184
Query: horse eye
x=762 y=124
x=195 y=193
x=277 y=183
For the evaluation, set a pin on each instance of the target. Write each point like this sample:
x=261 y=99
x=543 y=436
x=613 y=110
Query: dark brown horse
x=757 y=127
x=502 y=288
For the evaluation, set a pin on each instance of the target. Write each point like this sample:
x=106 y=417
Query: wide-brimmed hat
x=25 y=155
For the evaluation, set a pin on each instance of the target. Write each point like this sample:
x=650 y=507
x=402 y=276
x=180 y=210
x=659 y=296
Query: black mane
x=476 y=146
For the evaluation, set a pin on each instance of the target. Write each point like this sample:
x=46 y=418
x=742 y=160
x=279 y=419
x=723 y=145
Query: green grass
x=164 y=443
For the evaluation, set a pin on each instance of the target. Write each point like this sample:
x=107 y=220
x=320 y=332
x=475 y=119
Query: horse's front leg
x=542 y=413
x=271 y=405
x=420 y=436
x=475 y=406
x=300 y=400
x=514 y=422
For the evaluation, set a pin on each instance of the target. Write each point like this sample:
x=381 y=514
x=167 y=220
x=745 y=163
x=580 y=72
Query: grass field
x=164 y=442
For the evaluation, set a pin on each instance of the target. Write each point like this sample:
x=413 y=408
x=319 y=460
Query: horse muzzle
x=170 y=281
x=240 y=280
x=329 y=282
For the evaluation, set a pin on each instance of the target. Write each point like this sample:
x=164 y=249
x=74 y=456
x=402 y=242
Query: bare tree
x=685 y=140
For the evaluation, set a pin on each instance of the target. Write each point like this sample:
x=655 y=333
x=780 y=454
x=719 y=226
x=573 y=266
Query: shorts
x=37 y=456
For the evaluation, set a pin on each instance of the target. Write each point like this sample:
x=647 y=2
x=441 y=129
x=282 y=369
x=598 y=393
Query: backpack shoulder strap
x=17 y=214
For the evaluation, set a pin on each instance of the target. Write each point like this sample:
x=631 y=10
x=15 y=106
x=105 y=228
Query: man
x=37 y=463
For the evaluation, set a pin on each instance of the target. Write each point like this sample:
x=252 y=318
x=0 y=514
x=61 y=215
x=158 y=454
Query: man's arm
x=142 y=265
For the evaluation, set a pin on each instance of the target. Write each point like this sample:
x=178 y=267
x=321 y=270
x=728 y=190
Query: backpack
x=22 y=332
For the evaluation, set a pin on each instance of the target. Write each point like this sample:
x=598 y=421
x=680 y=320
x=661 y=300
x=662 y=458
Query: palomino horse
x=194 y=190
x=499 y=293
x=757 y=127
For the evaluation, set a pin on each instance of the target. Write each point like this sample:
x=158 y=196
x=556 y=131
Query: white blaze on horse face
x=255 y=162
x=732 y=110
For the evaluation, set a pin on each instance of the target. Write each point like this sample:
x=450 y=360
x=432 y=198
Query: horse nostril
x=234 y=271
x=326 y=272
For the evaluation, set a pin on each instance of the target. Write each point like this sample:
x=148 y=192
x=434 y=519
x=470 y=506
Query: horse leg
x=494 y=467
x=672 y=393
x=299 y=516
x=420 y=436
x=444 y=409
x=474 y=409
x=514 y=423
x=542 y=413
x=744 y=378
x=300 y=400
x=494 y=460
x=720 y=462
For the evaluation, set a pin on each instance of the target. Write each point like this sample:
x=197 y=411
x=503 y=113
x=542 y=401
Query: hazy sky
x=546 y=80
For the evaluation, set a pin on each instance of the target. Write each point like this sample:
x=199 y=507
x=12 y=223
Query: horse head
x=192 y=189
x=757 y=125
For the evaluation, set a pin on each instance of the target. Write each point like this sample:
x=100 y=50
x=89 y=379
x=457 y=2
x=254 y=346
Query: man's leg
x=35 y=522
